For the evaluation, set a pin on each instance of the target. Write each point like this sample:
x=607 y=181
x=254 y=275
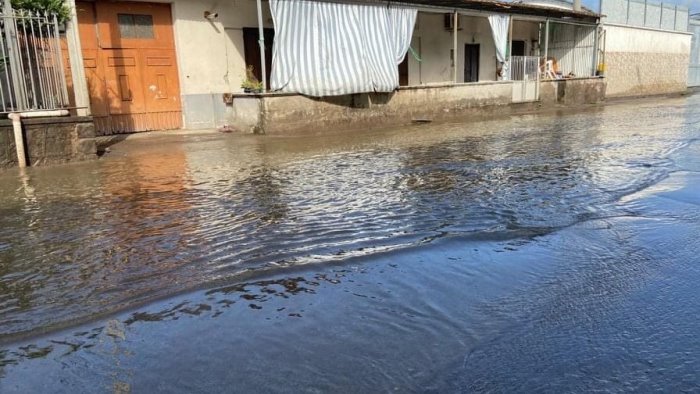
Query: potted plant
x=251 y=83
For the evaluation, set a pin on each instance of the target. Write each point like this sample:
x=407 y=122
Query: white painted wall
x=433 y=43
x=634 y=39
x=210 y=54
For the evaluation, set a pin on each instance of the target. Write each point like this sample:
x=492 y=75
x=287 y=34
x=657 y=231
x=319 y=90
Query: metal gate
x=31 y=63
x=524 y=72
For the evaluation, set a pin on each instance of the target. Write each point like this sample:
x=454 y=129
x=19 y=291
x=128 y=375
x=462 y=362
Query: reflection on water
x=167 y=214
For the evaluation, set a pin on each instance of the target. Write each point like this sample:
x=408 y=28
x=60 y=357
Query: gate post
x=75 y=57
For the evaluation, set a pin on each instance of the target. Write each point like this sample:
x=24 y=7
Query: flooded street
x=552 y=252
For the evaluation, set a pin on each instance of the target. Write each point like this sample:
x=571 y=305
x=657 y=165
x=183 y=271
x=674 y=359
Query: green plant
x=251 y=82
x=57 y=7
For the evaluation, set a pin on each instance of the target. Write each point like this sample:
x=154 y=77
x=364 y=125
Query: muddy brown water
x=480 y=256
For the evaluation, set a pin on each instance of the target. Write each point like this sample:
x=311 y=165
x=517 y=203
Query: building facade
x=181 y=64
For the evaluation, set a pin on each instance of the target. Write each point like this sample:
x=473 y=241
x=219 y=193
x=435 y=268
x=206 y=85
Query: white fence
x=31 y=65
x=525 y=74
x=572 y=48
x=646 y=13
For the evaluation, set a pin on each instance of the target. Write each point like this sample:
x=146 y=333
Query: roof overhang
x=504 y=7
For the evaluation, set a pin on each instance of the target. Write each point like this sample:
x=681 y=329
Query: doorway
x=471 y=62
x=518 y=48
x=130 y=66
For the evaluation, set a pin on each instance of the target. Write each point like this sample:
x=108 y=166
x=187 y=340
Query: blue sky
x=693 y=5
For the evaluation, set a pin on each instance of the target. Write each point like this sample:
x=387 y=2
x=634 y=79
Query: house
x=158 y=65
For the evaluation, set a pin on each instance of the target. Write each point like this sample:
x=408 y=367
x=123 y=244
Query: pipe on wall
x=16 y=118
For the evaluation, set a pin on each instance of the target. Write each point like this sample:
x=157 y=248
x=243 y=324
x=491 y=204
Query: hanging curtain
x=500 y=24
x=330 y=49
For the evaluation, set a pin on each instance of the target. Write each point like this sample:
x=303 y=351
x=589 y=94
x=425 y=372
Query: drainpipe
x=261 y=41
x=16 y=118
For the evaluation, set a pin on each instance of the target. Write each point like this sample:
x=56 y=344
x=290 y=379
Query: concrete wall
x=572 y=92
x=641 y=61
x=290 y=113
x=50 y=141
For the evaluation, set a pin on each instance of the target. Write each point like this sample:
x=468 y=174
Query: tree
x=57 y=7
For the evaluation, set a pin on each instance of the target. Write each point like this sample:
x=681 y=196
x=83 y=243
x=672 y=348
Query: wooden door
x=471 y=62
x=251 y=47
x=130 y=65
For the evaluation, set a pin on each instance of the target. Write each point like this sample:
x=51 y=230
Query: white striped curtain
x=330 y=49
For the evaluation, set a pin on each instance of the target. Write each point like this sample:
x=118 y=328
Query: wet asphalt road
x=537 y=253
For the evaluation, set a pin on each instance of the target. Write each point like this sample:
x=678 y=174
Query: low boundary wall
x=49 y=141
x=292 y=113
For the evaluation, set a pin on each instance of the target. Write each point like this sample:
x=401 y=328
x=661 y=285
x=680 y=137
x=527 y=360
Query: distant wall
x=694 y=71
x=49 y=141
x=640 y=61
x=645 y=13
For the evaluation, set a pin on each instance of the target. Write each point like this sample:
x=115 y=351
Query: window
x=136 y=26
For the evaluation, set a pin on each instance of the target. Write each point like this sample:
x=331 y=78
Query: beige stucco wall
x=644 y=61
x=291 y=113
x=295 y=113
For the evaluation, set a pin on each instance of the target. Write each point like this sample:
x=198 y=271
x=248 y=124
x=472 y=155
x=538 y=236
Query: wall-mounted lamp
x=210 y=15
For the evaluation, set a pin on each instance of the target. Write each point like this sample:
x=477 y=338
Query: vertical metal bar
x=10 y=64
x=595 y=51
x=22 y=68
x=38 y=66
x=50 y=83
x=6 y=67
x=645 y=12
x=54 y=76
x=455 y=21
x=29 y=59
x=261 y=41
x=661 y=15
x=546 y=43
x=627 y=19
x=62 y=75
x=510 y=46
x=12 y=52
x=675 y=18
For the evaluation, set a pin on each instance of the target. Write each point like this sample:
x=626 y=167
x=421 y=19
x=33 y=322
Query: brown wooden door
x=130 y=65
